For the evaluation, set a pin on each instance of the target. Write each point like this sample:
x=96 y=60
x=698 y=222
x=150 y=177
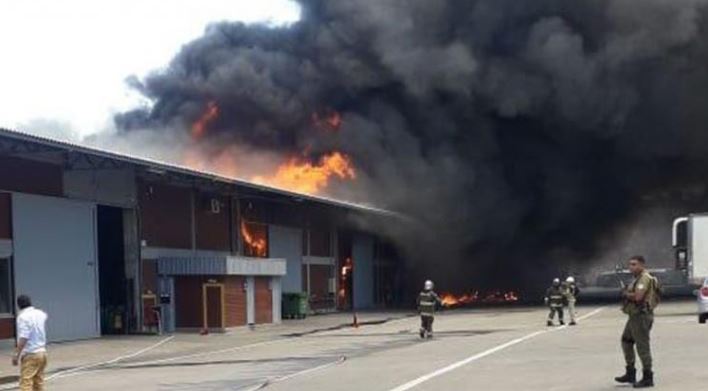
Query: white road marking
x=415 y=382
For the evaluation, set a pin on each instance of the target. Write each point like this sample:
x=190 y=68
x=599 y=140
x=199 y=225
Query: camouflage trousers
x=636 y=333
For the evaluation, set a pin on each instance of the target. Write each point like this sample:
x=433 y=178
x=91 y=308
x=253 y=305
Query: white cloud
x=66 y=61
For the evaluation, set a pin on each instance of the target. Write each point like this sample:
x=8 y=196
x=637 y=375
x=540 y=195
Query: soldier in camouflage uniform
x=640 y=298
x=427 y=300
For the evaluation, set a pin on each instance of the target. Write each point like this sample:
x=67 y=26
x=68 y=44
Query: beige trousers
x=32 y=371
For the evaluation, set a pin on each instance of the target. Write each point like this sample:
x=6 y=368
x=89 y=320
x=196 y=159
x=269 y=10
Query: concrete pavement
x=492 y=349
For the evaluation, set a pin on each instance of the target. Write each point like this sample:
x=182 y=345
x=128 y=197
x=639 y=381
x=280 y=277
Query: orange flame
x=200 y=125
x=305 y=177
x=255 y=246
x=494 y=297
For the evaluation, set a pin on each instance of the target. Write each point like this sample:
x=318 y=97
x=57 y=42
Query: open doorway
x=111 y=270
x=345 y=295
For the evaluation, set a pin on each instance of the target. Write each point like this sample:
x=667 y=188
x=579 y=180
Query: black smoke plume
x=513 y=133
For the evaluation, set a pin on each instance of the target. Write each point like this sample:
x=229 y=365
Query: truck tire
x=702 y=318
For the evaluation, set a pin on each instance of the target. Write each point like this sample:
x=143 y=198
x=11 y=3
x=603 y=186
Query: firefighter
x=427 y=300
x=570 y=293
x=554 y=300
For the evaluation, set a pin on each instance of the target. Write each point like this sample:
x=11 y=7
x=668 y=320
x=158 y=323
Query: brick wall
x=27 y=176
x=149 y=275
x=165 y=215
x=212 y=229
x=235 y=301
x=7 y=328
x=189 y=302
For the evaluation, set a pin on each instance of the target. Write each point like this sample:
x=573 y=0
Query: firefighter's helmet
x=428 y=286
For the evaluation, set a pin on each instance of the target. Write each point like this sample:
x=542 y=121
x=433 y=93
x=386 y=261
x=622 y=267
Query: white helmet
x=428 y=285
x=570 y=280
x=556 y=281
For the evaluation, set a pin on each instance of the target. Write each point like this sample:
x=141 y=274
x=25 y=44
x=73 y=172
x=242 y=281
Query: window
x=254 y=239
x=320 y=243
x=5 y=286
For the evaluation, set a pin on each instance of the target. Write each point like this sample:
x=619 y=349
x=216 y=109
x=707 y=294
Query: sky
x=63 y=64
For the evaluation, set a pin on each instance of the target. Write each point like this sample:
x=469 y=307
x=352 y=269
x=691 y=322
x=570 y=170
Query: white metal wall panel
x=286 y=243
x=56 y=262
x=363 y=257
x=699 y=245
x=275 y=287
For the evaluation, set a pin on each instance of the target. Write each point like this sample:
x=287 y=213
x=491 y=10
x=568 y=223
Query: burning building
x=110 y=243
x=515 y=135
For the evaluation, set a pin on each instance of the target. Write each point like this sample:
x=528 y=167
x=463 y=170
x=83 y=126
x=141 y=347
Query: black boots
x=647 y=380
x=630 y=376
x=549 y=323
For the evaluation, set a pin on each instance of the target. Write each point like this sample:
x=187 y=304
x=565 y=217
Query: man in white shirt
x=31 y=349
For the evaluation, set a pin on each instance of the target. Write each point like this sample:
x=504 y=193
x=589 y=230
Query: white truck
x=690 y=242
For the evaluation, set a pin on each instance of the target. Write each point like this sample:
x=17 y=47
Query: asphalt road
x=503 y=349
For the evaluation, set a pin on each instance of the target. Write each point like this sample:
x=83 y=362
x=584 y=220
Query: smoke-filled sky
x=64 y=63
x=513 y=132
x=516 y=131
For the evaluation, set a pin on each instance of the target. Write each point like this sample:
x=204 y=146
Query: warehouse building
x=109 y=243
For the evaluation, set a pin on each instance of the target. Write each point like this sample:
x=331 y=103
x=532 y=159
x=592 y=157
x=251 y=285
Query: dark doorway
x=111 y=270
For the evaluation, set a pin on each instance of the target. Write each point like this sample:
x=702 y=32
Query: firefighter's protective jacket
x=554 y=296
x=427 y=300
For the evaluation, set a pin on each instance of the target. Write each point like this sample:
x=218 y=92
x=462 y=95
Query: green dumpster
x=301 y=305
x=288 y=305
x=295 y=305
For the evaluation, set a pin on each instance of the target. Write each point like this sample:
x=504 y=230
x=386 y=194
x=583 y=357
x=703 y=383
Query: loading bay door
x=55 y=262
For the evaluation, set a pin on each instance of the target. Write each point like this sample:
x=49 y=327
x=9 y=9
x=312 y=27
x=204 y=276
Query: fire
x=494 y=297
x=200 y=125
x=255 y=245
x=303 y=176
x=329 y=120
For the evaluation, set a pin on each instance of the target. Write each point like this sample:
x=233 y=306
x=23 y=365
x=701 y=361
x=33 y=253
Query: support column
x=250 y=300
x=276 y=293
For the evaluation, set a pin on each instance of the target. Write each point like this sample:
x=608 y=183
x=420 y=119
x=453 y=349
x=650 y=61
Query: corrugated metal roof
x=175 y=168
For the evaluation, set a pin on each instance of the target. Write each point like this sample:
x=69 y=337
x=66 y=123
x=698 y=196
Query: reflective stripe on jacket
x=426 y=302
